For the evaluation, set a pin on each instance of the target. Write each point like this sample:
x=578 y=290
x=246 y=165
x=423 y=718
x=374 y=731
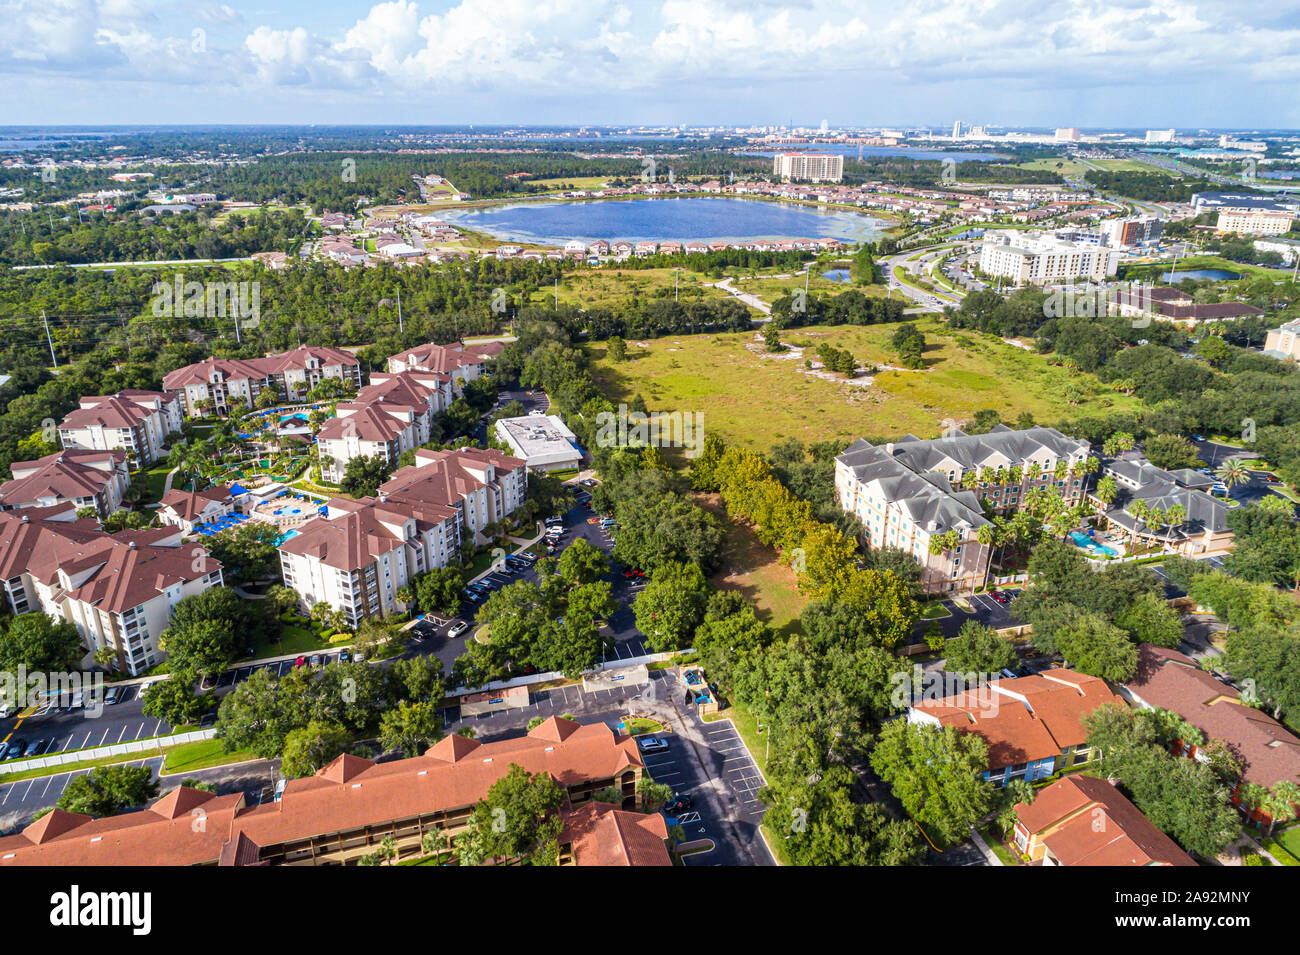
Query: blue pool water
x=286 y=536
x=1084 y=542
x=641 y=220
x=836 y=275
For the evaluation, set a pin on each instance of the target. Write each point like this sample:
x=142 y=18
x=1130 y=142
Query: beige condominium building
x=353 y=805
x=95 y=479
x=137 y=422
x=357 y=556
x=394 y=413
x=808 y=167
x=907 y=493
x=118 y=590
x=219 y=382
x=462 y=362
x=1254 y=222
x=1042 y=259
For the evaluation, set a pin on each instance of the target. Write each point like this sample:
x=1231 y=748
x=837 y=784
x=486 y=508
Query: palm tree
x=1035 y=471
x=1107 y=490
x=1284 y=799
x=1232 y=472
x=987 y=536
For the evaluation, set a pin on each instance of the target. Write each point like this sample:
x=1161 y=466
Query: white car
x=458 y=628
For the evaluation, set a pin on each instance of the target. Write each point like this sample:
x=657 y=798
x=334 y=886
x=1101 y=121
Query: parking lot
x=432 y=635
x=985 y=611
x=705 y=760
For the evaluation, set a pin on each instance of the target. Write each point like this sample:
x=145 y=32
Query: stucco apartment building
x=348 y=808
x=186 y=509
x=393 y=414
x=462 y=362
x=82 y=478
x=483 y=485
x=117 y=589
x=1205 y=528
x=908 y=492
x=1035 y=259
x=1033 y=725
x=137 y=422
x=1283 y=342
x=222 y=381
x=357 y=556
x=1080 y=820
x=1168 y=680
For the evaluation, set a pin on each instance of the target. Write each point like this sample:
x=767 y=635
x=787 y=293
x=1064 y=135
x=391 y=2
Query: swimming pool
x=1085 y=542
x=286 y=536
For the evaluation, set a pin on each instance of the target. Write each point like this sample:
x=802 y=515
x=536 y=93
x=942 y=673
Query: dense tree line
x=132 y=235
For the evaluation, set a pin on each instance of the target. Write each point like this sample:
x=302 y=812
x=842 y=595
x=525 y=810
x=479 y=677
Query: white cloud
x=679 y=48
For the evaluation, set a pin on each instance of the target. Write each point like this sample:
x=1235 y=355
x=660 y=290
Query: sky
x=1088 y=63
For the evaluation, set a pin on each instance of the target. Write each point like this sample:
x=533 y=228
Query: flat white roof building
x=1038 y=259
x=543 y=441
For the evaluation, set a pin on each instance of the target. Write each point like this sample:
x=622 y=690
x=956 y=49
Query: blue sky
x=1157 y=63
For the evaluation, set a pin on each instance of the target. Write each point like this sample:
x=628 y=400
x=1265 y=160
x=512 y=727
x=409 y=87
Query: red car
x=301 y=661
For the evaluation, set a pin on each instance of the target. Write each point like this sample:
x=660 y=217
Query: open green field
x=572 y=182
x=1058 y=164
x=753 y=569
x=755 y=399
x=602 y=288
x=769 y=287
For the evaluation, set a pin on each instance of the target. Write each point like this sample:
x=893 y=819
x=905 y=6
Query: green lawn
x=753 y=569
x=190 y=757
x=1289 y=838
x=154 y=479
x=755 y=399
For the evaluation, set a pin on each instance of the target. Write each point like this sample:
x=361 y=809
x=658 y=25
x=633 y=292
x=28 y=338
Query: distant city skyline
x=1101 y=63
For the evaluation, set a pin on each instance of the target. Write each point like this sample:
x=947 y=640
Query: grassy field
x=754 y=570
x=572 y=182
x=596 y=288
x=190 y=757
x=754 y=399
x=769 y=288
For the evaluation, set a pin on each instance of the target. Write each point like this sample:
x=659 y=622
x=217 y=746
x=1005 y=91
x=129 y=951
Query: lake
x=874 y=152
x=545 y=222
x=1218 y=275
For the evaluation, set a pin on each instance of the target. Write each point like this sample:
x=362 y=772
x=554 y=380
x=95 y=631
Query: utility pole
x=50 y=340
x=400 y=327
x=238 y=340
x=557 y=293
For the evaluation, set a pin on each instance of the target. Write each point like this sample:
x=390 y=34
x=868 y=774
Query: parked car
x=316 y=659
x=345 y=657
x=359 y=657
x=680 y=803
x=300 y=662
x=34 y=748
x=113 y=695
x=16 y=748
x=652 y=744
x=459 y=627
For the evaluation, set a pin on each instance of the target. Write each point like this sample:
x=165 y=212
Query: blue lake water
x=1217 y=275
x=643 y=220
x=907 y=152
x=836 y=275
